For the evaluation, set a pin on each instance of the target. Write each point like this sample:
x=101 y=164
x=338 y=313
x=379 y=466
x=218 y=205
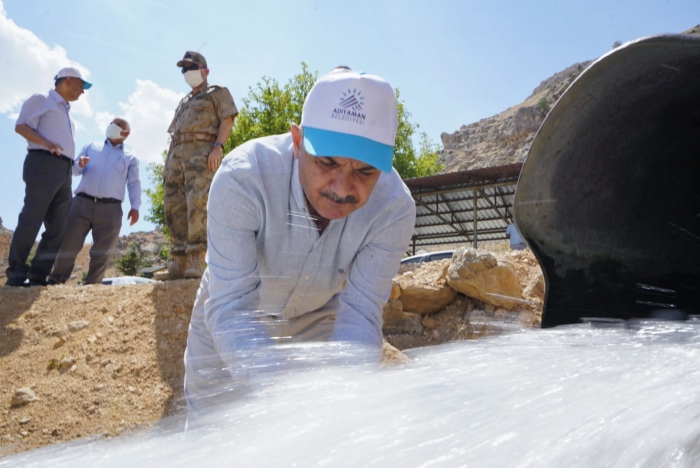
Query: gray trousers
x=47 y=197
x=105 y=220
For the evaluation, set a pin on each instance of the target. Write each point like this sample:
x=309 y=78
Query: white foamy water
x=572 y=396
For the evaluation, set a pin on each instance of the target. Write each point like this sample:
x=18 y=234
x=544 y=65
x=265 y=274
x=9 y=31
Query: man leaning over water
x=306 y=231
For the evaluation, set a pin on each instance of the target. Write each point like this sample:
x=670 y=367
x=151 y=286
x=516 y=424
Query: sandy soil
x=100 y=359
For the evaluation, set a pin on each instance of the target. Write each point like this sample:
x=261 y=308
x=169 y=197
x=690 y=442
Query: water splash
x=618 y=395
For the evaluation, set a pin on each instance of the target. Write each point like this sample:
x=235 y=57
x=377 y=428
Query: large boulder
x=395 y=291
x=425 y=290
x=535 y=288
x=477 y=274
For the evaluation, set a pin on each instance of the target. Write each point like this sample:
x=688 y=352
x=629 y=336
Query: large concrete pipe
x=609 y=196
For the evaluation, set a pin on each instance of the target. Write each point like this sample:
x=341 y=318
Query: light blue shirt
x=49 y=115
x=265 y=255
x=109 y=171
x=516 y=241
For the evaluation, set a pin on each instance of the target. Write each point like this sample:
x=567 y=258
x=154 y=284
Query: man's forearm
x=225 y=129
x=30 y=134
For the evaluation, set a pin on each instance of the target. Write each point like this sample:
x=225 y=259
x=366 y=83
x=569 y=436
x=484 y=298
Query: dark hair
x=58 y=81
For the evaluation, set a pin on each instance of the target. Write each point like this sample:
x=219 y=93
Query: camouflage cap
x=192 y=57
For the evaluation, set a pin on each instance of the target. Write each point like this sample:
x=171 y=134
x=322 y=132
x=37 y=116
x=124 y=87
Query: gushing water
x=584 y=395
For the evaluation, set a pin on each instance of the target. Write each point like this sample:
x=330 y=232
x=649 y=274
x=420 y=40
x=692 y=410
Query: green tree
x=269 y=107
x=406 y=163
x=428 y=161
x=156 y=213
x=131 y=261
x=543 y=105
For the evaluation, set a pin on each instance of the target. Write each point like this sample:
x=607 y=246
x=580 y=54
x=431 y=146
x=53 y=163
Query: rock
x=151 y=248
x=525 y=120
x=391 y=355
x=24 y=421
x=66 y=362
x=425 y=291
x=408 y=324
x=397 y=322
x=429 y=323
x=23 y=396
x=395 y=291
x=477 y=274
x=77 y=325
x=535 y=288
x=59 y=342
x=393 y=310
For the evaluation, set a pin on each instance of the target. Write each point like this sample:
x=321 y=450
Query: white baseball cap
x=70 y=72
x=353 y=115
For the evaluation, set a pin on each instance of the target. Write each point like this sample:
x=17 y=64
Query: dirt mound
x=100 y=359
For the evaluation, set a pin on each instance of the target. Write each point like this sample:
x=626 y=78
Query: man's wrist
x=219 y=145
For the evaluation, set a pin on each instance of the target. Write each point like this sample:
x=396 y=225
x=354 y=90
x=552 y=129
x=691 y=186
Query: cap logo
x=350 y=107
x=188 y=55
x=352 y=99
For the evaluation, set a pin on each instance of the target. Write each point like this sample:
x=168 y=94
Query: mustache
x=333 y=197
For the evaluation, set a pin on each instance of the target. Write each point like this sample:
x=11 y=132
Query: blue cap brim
x=327 y=143
x=86 y=85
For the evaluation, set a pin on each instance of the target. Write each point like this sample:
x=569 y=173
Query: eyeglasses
x=194 y=66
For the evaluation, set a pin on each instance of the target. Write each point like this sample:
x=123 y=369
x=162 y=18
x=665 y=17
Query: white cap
x=70 y=72
x=353 y=115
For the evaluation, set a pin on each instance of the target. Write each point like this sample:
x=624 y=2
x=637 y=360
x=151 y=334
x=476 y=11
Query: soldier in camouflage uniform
x=202 y=124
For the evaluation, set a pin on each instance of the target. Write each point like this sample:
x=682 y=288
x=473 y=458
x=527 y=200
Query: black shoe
x=36 y=281
x=17 y=282
x=51 y=282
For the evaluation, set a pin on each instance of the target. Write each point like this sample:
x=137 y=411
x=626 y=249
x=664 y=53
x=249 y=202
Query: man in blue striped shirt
x=305 y=233
x=106 y=169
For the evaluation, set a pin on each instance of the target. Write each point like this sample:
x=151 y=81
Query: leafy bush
x=164 y=251
x=130 y=263
x=543 y=105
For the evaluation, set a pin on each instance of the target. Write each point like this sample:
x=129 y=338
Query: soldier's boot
x=176 y=270
x=196 y=269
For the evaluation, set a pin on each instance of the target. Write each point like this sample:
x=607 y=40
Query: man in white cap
x=45 y=123
x=306 y=231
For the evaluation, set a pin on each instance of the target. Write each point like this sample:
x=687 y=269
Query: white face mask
x=114 y=131
x=194 y=78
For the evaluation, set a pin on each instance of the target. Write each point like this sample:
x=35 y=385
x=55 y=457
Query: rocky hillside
x=505 y=138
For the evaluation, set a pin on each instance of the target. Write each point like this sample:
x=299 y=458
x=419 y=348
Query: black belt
x=49 y=153
x=97 y=200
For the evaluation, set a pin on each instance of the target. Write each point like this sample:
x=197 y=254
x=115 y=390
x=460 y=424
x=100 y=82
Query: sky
x=455 y=62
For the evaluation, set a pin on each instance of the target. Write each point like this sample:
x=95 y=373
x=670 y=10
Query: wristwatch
x=219 y=145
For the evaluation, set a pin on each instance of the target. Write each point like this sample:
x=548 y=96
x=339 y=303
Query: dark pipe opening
x=609 y=197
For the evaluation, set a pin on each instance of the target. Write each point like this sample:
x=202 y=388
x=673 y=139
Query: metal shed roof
x=464 y=206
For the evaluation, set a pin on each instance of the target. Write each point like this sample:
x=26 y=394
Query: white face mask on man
x=114 y=131
x=193 y=78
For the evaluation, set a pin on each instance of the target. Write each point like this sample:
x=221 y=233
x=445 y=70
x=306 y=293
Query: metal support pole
x=475 y=218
